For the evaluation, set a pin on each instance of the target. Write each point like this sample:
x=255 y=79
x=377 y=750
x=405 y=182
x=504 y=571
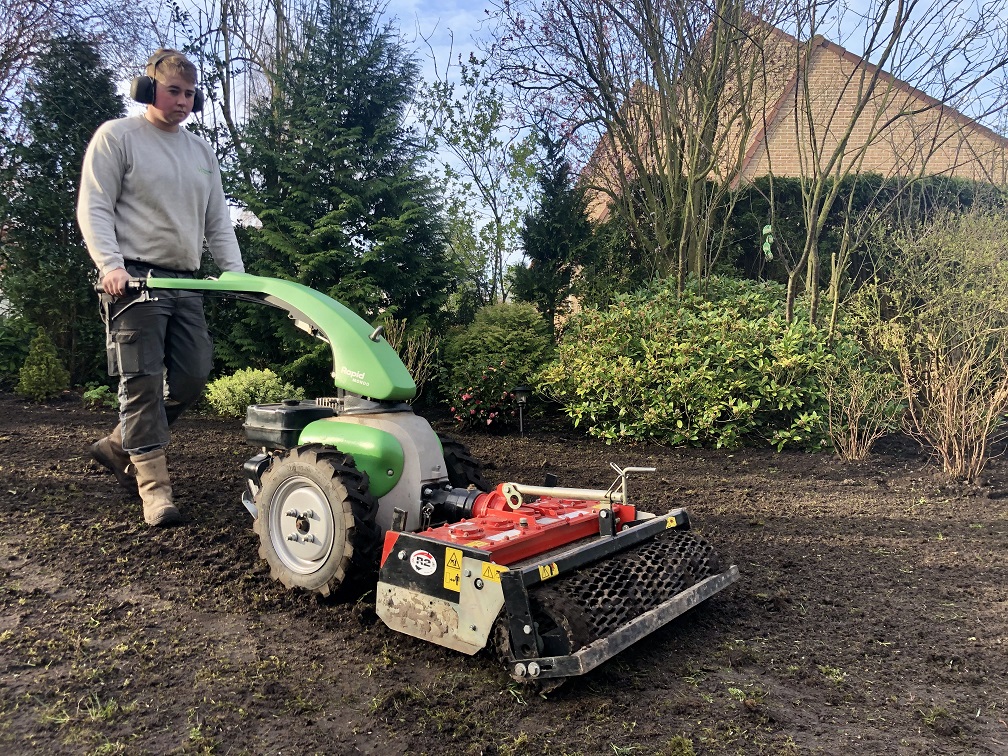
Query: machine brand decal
x=353 y=375
x=453 y=569
x=423 y=563
x=547 y=571
x=477 y=544
x=492 y=571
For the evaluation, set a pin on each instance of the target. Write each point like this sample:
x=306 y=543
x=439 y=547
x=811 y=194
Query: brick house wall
x=901 y=132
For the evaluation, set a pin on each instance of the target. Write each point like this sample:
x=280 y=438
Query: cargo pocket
x=125 y=355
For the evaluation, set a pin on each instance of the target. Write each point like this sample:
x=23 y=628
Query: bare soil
x=871 y=617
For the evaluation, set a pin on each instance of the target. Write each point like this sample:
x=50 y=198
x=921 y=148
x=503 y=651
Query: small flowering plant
x=487 y=401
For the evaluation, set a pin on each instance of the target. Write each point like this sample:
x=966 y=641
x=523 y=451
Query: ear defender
x=142 y=90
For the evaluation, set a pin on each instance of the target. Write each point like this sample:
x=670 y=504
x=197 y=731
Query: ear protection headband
x=142 y=88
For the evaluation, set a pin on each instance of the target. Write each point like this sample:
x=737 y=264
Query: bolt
x=479 y=584
x=527 y=630
x=523 y=522
x=292 y=513
x=519 y=670
x=292 y=537
x=604 y=514
x=467 y=573
x=533 y=669
x=426 y=492
x=401 y=555
x=473 y=628
x=309 y=515
x=309 y=538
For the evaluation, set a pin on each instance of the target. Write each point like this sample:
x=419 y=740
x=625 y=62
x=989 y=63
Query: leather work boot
x=155 y=488
x=108 y=452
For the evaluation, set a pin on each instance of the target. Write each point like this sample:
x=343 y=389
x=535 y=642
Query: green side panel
x=375 y=451
x=360 y=365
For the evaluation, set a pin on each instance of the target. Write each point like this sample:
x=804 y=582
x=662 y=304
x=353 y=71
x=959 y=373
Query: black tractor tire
x=462 y=469
x=316 y=519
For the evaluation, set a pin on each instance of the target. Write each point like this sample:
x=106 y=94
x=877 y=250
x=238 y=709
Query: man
x=150 y=194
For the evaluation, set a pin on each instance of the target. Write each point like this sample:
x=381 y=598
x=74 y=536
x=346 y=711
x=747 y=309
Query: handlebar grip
x=134 y=284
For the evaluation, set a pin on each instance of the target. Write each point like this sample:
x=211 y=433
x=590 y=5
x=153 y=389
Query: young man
x=150 y=194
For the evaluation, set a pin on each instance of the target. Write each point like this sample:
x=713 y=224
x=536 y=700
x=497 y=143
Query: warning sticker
x=670 y=522
x=453 y=569
x=547 y=571
x=492 y=571
x=477 y=544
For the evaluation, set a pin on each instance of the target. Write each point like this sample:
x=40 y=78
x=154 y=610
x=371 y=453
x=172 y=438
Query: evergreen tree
x=45 y=271
x=338 y=185
x=557 y=238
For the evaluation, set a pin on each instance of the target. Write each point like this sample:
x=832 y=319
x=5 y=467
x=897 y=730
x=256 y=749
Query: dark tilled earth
x=871 y=617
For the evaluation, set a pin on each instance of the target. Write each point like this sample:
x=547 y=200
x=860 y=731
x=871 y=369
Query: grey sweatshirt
x=153 y=196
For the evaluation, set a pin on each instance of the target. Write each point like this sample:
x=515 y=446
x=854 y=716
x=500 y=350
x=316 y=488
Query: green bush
x=100 y=396
x=230 y=395
x=505 y=346
x=42 y=376
x=720 y=369
x=865 y=398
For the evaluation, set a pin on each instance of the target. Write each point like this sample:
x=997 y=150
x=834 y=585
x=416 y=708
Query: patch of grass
x=934 y=715
x=834 y=674
x=96 y=710
x=679 y=745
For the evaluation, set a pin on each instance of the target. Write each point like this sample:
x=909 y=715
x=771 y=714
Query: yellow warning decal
x=453 y=569
x=547 y=571
x=670 y=522
x=477 y=544
x=492 y=571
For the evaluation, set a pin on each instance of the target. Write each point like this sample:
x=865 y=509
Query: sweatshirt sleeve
x=101 y=182
x=219 y=229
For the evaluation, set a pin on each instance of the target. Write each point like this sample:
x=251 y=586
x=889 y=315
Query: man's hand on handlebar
x=119 y=282
x=115 y=282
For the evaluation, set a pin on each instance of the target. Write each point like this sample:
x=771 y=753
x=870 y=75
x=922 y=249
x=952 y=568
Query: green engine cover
x=376 y=452
x=361 y=364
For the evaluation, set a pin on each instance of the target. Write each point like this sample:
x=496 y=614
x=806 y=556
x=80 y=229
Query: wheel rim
x=302 y=526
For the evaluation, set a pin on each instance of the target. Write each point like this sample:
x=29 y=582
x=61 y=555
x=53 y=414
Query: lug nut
x=519 y=670
x=292 y=537
x=533 y=669
x=401 y=555
x=292 y=513
x=527 y=630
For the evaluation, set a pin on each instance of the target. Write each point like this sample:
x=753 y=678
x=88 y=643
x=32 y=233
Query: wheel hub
x=301 y=526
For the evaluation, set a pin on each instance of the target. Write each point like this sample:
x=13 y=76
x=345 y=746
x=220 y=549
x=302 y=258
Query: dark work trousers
x=162 y=352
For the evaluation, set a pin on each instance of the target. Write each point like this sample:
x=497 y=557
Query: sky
x=439 y=21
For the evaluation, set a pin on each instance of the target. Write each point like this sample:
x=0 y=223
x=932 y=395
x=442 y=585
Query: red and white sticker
x=423 y=563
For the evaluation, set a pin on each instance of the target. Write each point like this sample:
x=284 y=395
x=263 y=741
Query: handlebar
x=134 y=284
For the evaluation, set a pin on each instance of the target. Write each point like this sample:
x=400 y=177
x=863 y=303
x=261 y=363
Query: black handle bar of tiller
x=134 y=284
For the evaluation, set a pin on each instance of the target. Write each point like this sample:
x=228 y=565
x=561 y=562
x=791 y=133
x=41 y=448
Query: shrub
x=100 y=396
x=230 y=395
x=417 y=348
x=723 y=369
x=941 y=314
x=864 y=400
x=506 y=345
x=42 y=376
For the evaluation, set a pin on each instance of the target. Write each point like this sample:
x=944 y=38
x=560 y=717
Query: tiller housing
x=556 y=580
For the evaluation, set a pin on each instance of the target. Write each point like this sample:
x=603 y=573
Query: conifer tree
x=557 y=238
x=45 y=271
x=338 y=185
